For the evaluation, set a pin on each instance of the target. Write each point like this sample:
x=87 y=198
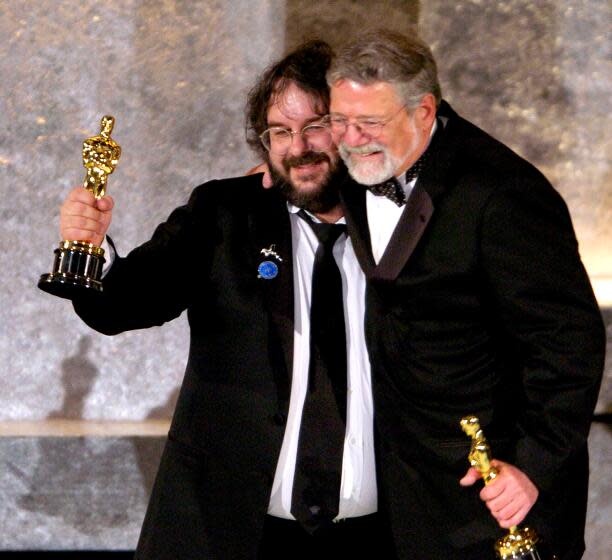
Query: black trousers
x=366 y=537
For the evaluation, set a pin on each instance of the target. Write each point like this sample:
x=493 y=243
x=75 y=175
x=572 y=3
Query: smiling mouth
x=366 y=154
x=308 y=166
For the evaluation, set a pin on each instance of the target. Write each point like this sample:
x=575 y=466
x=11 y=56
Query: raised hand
x=85 y=218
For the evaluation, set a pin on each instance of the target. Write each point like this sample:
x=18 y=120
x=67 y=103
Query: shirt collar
x=295 y=209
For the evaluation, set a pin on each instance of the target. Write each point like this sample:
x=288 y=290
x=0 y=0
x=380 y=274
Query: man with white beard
x=447 y=224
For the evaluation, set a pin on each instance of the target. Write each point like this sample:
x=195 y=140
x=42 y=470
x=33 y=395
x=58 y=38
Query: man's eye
x=369 y=123
x=278 y=133
x=314 y=129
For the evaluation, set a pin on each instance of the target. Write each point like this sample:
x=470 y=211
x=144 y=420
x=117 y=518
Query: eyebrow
x=307 y=121
x=335 y=114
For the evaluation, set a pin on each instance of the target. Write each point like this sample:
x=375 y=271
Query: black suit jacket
x=214 y=482
x=480 y=305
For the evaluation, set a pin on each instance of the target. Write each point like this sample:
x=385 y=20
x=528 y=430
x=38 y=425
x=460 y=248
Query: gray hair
x=407 y=63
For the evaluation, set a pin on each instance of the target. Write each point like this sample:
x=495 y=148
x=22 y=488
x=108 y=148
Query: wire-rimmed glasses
x=368 y=126
x=278 y=139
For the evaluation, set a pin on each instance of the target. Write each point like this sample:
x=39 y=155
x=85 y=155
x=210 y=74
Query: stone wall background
x=175 y=75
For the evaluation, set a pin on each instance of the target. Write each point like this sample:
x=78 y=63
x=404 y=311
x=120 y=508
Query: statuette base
x=77 y=268
x=518 y=544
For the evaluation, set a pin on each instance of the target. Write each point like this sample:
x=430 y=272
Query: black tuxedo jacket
x=214 y=482
x=480 y=305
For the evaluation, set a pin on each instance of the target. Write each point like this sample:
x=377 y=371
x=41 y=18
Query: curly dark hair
x=305 y=67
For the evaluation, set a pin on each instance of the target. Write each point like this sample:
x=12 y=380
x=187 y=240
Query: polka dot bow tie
x=392 y=188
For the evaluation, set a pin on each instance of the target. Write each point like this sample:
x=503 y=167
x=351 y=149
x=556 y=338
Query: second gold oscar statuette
x=519 y=543
x=77 y=267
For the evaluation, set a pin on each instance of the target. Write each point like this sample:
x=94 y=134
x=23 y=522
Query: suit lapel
x=412 y=223
x=353 y=197
x=271 y=229
x=406 y=235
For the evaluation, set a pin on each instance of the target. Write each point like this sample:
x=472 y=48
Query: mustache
x=366 y=149
x=304 y=159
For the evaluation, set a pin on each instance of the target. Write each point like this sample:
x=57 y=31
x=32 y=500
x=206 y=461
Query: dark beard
x=320 y=201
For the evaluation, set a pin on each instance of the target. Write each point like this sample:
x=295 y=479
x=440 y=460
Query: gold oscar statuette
x=519 y=543
x=78 y=263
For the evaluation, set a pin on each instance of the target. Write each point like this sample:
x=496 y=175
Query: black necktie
x=318 y=469
x=392 y=188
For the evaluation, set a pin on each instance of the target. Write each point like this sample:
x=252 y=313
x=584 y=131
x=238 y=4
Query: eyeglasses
x=367 y=126
x=278 y=140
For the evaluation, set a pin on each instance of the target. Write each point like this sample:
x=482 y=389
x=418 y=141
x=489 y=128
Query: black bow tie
x=416 y=168
x=392 y=188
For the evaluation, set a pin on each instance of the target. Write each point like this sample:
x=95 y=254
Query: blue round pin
x=267 y=270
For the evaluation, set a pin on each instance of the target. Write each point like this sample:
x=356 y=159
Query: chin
x=309 y=186
x=315 y=191
x=370 y=174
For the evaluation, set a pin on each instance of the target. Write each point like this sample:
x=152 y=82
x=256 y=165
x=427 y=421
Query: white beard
x=372 y=173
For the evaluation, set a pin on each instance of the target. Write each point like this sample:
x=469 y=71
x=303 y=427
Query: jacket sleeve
x=542 y=293
x=157 y=280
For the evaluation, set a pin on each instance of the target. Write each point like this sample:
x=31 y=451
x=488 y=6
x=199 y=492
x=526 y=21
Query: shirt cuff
x=109 y=255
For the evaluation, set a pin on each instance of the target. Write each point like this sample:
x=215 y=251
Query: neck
x=416 y=151
x=331 y=216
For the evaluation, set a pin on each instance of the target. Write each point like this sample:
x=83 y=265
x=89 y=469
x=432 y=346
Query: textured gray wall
x=175 y=75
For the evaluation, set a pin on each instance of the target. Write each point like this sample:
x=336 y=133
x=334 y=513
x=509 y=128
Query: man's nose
x=352 y=136
x=298 y=145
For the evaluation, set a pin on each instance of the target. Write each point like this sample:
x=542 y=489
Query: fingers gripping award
x=78 y=263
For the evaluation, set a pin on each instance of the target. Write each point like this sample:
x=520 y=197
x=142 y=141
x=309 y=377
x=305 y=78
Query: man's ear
x=425 y=113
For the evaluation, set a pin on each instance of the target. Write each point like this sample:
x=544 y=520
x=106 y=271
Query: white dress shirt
x=358 y=492
x=383 y=215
